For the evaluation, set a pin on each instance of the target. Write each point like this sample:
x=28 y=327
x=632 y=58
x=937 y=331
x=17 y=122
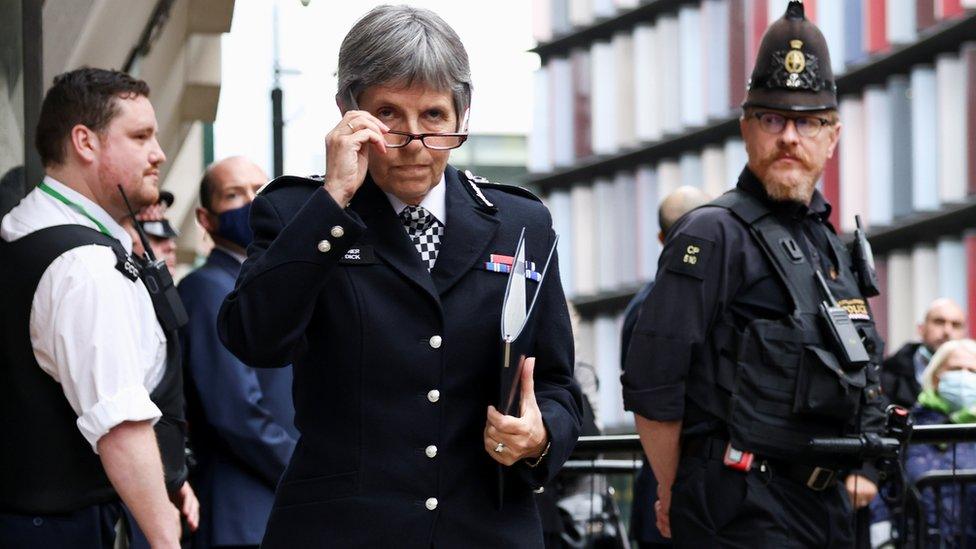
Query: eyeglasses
x=436 y=141
x=807 y=126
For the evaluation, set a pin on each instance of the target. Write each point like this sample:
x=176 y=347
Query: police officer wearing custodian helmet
x=379 y=283
x=733 y=367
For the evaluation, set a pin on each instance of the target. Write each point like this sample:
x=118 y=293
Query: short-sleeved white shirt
x=93 y=330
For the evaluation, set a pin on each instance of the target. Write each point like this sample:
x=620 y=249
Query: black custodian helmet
x=792 y=71
x=161 y=228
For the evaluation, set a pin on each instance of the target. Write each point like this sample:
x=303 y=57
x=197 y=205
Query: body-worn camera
x=867 y=277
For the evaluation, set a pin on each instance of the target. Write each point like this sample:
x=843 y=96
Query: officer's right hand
x=347 y=149
x=662 y=510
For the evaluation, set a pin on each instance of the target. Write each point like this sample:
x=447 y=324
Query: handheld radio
x=158 y=280
x=841 y=329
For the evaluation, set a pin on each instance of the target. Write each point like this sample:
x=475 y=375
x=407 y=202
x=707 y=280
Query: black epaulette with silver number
x=125 y=264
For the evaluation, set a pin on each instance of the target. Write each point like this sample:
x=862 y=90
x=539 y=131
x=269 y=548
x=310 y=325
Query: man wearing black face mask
x=241 y=419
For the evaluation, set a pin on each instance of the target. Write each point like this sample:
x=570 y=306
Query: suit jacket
x=241 y=419
x=898 y=381
x=395 y=366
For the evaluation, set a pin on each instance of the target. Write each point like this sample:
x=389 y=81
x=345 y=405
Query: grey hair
x=403 y=45
x=940 y=356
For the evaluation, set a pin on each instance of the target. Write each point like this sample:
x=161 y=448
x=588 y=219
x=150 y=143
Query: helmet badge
x=794 y=63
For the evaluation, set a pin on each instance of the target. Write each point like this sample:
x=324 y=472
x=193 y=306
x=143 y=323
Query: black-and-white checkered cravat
x=425 y=232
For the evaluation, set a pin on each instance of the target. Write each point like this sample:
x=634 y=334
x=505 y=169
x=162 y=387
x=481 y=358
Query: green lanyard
x=58 y=196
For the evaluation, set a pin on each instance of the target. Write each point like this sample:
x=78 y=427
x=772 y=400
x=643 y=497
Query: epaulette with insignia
x=471 y=183
x=125 y=264
x=291 y=180
x=691 y=255
x=477 y=182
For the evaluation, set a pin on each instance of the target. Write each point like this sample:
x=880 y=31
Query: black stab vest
x=47 y=466
x=788 y=384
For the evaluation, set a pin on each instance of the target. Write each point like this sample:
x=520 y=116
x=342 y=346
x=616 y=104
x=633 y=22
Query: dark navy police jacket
x=395 y=366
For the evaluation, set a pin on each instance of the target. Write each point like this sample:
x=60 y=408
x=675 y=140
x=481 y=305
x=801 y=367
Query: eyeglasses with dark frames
x=774 y=123
x=438 y=141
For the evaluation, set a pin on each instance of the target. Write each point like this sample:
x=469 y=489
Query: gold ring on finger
x=351 y=126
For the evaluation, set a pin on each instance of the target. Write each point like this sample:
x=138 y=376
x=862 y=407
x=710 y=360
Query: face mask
x=233 y=225
x=958 y=387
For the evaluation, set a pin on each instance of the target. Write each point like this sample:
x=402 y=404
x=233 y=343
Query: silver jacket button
x=433 y=395
x=435 y=342
x=431 y=451
x=337 y=232
x=324 y=246
x=431 y=504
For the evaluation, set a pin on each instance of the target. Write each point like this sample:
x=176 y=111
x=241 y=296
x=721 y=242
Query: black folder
x=518 y=327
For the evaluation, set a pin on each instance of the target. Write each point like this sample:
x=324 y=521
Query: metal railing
x=922 y=520
x=590 y=446
x=938 y=508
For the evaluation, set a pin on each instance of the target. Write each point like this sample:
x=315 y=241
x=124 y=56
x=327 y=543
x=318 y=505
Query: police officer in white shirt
x=90 y=385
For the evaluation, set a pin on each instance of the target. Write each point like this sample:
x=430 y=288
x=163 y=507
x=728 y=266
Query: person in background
x=162 y=235
x=159 y=231
x=241 y=419
x=901 y=373
x=12 y=189
x=948 y=396
x=643 y=523
x=901 y=383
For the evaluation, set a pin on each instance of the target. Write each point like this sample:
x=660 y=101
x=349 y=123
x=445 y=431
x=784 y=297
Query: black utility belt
x=814 y=477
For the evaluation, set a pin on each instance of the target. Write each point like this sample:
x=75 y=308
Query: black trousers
x=89 y=528
x=715 y=506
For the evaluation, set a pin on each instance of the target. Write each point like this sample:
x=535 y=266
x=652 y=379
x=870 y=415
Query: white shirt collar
x=93 y=210
x=434 y=202
x=238 y=256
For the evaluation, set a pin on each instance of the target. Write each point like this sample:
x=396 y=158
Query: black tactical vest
x=47 y=466
x=788 y=384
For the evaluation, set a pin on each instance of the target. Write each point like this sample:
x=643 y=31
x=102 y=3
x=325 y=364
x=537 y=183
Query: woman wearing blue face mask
x=948 y=396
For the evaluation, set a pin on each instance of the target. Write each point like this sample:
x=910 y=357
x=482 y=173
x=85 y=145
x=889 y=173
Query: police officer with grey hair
x=382 y=282
x=757 y=337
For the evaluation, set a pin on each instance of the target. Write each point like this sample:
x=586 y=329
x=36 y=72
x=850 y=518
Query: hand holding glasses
x=347 y=147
